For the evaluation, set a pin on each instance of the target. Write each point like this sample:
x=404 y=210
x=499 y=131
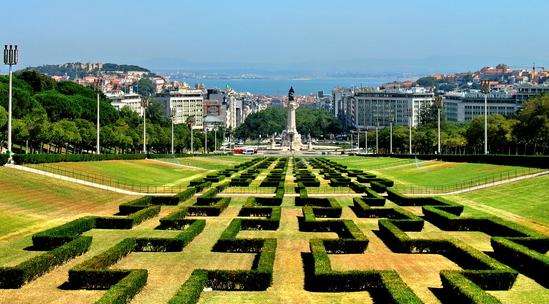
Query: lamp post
x=485 y=85
x=391 y=137
x=144 y=105
x=172 y=116
x=366 y=141
x=11 y=56
x=391 y=118
x=98 y=88
x=438 y=105
x=190 y=122
x=377 y=138
x=410 y=135
x=205 y=140
x=215 y=139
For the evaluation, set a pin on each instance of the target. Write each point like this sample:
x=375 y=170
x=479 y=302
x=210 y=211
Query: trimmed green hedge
x=171 y=244
x=17 y=276
x=123 y=291
x=531 y=261
x=94 y=273
x=190 y=291
x=3 y=159
x=384 y=286
x=57 y=236
x=462 y=290
x=55 y=158
x=187 y=194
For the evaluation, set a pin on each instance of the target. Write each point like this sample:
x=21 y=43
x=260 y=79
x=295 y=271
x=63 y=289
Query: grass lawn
x=29 y=202
x=438 y=173
x=210 y=162
x=32 y=203
x=527 y=198
x=411 y=172
x=369 y=163
x=139 y=172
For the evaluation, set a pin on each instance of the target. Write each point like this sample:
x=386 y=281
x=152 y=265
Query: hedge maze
x=255 y=230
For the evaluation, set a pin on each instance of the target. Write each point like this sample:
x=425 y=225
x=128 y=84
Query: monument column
x=292 y=138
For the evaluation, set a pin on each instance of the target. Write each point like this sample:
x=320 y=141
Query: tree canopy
x=61 y=116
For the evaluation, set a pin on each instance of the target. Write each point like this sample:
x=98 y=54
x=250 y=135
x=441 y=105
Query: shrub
x=123 y=291
x=93 y=273
x=17 y=276
x=462 y=290
x=190 y=291
x=185 y=195
x=57 y=236
x=532 y=262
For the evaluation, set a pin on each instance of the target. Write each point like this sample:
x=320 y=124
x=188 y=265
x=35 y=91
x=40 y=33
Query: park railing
x=105 y=181
x=466 y=184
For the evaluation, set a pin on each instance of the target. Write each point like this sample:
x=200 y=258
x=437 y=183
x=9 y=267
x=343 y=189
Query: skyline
x=312 y=37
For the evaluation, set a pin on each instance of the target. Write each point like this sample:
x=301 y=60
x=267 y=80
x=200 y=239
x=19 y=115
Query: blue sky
x=313 y=35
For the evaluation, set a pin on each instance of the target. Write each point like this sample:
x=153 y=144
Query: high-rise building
x=368 y=108
x=131 y=100
x=526 y=91
x=464 y=106
x=186 y=103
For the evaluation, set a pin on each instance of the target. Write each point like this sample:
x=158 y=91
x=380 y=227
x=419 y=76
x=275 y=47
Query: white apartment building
x=368 y=108
x=186 y=103
x=464 y=106
x=130 y=100
x=527 y=90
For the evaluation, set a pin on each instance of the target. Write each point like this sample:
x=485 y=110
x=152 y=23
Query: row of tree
x=50 y=116
x=527 y=132
x=316 y=122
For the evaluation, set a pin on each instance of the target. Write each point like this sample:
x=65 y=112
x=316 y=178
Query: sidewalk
x=83 y=182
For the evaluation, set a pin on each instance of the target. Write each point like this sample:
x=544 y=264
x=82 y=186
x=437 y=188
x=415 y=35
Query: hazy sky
x=314 y=35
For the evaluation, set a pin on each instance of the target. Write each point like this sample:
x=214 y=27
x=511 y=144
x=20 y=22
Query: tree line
x=318 y=123
x=50 y=116
x=526 y=132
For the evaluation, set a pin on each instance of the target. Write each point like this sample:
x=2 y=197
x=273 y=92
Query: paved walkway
x=82 y=182
x=488 y=185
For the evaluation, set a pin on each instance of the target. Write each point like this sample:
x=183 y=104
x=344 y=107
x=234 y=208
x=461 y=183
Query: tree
x=3 y=117
x=20 y=131
x=65 y=133
x=428 y=81
x=59 y=106
x=146 y=87
x=38 y=82
x=37 y=123
x=88 y=134
x=532 y=127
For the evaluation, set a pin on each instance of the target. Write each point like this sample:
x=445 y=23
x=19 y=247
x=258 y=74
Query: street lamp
x=391 y=118
x=11 y=56
x=173 y=113
x=144 y=105
x=438 y=105
x=377 y=138
x=98 y=88
x=205 y=140
x=485 y=86
x=366 y=141
x=410 y=135
x=190 y=122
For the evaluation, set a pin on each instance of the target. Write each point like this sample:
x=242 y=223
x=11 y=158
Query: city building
x=130 y=100
x=464 y=106
x=368 y=108
x=186 y=103
x=527 y=90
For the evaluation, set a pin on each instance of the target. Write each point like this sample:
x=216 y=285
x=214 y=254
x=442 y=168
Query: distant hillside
x=77 y=69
